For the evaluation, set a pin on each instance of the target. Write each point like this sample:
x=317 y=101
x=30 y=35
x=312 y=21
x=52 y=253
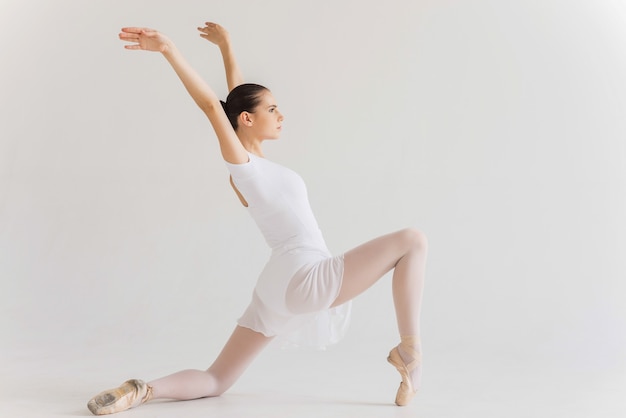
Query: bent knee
x=415 y=239
x=217 y=383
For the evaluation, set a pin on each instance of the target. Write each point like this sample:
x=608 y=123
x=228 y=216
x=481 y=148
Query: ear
x=245 y=119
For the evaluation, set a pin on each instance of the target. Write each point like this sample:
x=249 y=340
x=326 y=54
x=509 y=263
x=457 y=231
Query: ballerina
x=301 y=278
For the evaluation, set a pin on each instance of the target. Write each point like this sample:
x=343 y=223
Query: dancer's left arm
x=217 y=35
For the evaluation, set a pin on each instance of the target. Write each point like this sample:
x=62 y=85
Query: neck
x=252 y=145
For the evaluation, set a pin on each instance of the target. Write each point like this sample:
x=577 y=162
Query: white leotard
x=301 y=279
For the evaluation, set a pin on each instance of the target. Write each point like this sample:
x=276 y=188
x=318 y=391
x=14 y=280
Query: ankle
x=412 y=341
x=149 y=394
x=410 y=349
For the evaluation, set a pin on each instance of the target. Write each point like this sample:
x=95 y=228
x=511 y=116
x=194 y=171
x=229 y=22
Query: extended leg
x=242 y=347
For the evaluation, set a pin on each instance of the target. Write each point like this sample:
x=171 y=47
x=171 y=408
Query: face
x=267 y=120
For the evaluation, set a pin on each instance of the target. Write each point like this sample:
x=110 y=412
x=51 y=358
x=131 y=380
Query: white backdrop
x=497 y=127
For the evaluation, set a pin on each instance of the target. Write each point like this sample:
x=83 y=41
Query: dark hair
x=243 y=98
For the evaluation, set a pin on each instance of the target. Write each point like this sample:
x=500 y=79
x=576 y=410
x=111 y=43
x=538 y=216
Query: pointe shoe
x=128 y=395
x=406 y=391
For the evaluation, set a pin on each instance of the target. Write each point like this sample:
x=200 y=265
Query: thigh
x=367 y=263
x=315 y=286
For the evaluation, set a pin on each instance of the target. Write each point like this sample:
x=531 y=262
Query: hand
x=214 y=33
x=145 y=39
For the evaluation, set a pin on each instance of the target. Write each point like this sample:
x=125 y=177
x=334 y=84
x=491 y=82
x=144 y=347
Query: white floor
x=345 y=381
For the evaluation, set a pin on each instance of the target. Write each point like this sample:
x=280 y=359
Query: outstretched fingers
x=137 y=30
x=131 y=35
x=130 y=38
x=143 y=39
x=208 y=26
x=214 y=33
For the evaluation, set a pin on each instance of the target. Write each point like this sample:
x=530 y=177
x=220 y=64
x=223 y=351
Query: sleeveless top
x=278 y=202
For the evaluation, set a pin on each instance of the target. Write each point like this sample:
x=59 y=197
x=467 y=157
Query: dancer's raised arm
x=219 y=36
x=151 y=40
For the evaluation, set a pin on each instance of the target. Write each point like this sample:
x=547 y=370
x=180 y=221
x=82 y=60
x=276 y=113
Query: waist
x=305 y=247
x=307 y=240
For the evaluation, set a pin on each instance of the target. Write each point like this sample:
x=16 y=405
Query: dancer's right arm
x=151 y=40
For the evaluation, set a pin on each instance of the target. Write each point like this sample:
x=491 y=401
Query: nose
x=280 y=116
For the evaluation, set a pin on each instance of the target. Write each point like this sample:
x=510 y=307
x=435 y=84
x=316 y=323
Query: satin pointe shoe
x=128 y=395
x=406 y=391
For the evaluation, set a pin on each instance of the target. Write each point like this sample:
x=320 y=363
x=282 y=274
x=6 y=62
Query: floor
x=343 y=381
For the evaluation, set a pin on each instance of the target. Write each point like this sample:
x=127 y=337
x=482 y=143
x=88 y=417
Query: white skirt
x=292 y=299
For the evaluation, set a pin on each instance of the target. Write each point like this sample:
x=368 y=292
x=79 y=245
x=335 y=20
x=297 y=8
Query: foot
x=130 y=394
x=407 y=360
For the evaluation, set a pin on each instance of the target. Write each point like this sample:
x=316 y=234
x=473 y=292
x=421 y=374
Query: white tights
x=403 y=251
x=239 y=351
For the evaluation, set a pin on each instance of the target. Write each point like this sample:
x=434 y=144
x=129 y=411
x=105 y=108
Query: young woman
x=301 y=278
